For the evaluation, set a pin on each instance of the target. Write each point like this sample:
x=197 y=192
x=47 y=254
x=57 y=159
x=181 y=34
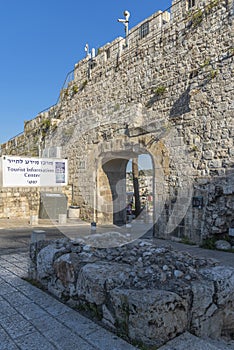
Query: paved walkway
x=15 y=236
x=30 y=319
x=224 y=258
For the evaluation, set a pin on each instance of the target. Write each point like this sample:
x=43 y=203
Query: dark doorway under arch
x=116 y=171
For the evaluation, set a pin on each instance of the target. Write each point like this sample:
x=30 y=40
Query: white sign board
x=30 y=172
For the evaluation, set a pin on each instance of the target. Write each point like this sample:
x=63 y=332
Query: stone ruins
x=147 y=293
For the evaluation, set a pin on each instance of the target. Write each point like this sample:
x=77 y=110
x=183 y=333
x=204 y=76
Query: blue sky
x=41 y=40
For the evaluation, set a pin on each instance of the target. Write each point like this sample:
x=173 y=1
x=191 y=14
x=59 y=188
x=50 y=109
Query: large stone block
x=189 y=341
x=45 y=260
x=66 y=268
x=205 y=320
x=150 y=316
x=95 y=280
x=223 y=279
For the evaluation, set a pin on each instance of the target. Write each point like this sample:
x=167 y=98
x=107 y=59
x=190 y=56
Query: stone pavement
x=188 y=341
x=15 y=236
x=30 y=319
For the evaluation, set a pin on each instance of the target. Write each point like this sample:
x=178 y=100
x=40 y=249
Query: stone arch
x=93 y=151
x=111 y=176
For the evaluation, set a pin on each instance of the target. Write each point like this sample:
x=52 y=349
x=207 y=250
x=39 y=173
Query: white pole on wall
x=126 y=25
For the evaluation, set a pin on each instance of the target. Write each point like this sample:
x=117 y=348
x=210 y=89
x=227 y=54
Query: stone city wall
x=168 y=94
x=19 y=202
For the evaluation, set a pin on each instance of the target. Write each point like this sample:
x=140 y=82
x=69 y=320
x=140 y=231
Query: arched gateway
x=98 y=158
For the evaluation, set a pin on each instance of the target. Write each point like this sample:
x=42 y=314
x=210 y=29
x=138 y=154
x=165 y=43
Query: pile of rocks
x=148 y=293
x=223 y=245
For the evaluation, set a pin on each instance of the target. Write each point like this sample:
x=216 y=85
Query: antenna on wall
x=126 y=23
x=87 y=50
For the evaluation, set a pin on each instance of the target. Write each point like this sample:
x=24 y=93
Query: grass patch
x=213 y=73
x=209 y=243
x=197 y=18
x=90 y=310
x=160 y=90
x=205 y=63
x=141 y=346
x=186 y=240
x=75 y=89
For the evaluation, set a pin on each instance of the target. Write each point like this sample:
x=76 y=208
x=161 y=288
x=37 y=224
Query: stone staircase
x=188 y=341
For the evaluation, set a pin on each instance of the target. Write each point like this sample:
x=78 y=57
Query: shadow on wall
x=181 y=105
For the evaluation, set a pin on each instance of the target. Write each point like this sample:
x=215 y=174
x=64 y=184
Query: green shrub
x=209 y=243
x=160 y=90
x=75 y=89
x=197 y=18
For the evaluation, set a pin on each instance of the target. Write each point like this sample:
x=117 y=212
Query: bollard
x=129 y=221
x=38 y=235
x=62 y=219
x=146 y=218
x=33 y=220
x=93 y=227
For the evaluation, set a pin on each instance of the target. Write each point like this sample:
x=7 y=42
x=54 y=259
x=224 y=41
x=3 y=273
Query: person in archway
x=129 y=209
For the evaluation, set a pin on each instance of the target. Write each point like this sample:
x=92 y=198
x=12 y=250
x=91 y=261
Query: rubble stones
x=223 y=245
x=147 y=292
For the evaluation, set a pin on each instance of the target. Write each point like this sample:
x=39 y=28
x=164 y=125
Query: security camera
x=126 y=15
x=125 y=22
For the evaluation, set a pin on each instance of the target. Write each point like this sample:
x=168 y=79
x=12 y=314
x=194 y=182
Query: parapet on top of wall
x=111 y=53
x=181 y=8
x=153 y=29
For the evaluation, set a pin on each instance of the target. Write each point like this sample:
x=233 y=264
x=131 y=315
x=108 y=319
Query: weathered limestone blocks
x=95 y=280
x=148 y=293
x=23 y=202
x=189 y=341
x=150 y=316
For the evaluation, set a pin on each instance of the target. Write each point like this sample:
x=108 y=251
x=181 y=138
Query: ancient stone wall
x=18 y=202
x=168 y=93
x=145 y=292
